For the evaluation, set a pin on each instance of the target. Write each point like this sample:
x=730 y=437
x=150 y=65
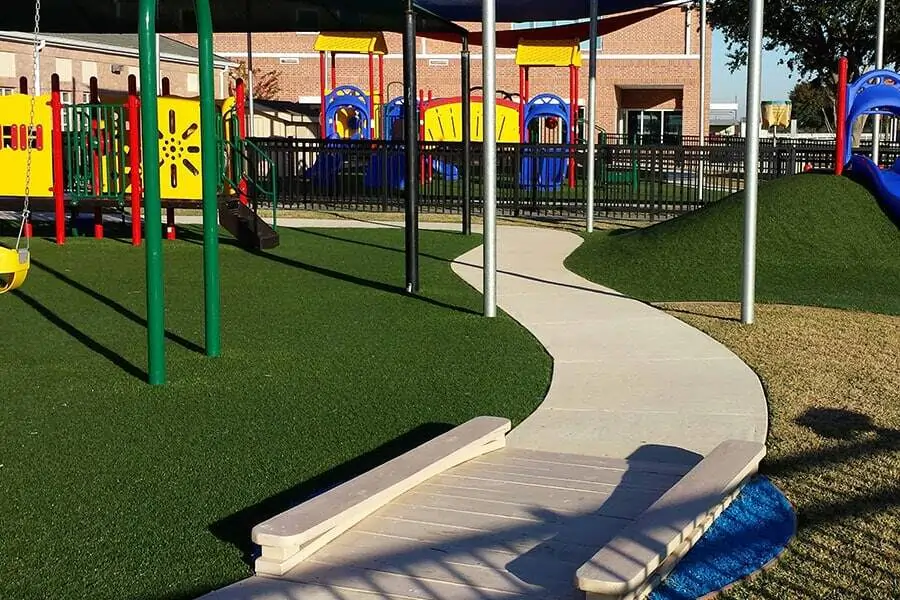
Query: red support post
x=841 y=125
x=240 y=103
x=421 y=116
x=381 y=99
x=322 y=85
x=522 y=136
x=23 y=85
x=170 y=222
x=56 y=145
x=333 y=71
x=573 y=100
x=166 y=87
x=98 y=222
x=134 y=159
x=371 y=123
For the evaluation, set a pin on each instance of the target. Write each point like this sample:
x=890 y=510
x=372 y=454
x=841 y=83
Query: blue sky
x=777 y=82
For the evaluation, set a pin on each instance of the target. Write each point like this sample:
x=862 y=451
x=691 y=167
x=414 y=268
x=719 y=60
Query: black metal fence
x=632 y=181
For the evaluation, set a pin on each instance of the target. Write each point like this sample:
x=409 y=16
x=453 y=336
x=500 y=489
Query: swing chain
x=32 y=133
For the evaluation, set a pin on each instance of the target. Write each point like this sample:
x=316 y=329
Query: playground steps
x=241 y=221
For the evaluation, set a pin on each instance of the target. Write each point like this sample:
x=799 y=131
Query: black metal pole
x=465 y=61
x=412 y=149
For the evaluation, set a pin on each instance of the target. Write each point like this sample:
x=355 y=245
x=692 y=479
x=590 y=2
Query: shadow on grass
x=89 y=342
x=109 y=302
x=453 y=261
x=860 y=439
x=193 y=237
x=681 y=311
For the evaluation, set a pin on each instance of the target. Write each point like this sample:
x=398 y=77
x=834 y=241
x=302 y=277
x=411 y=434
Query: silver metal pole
x=879 y=64
x=489 y=157
x=751 y=161
x=592 y=117
x=701 y=114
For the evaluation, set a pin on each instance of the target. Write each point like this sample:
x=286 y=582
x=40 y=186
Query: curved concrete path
x=626 y=376
x=629 y=382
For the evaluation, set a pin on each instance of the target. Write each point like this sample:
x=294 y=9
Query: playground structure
x=874 y=93
x=349 y=113
x=89 y=156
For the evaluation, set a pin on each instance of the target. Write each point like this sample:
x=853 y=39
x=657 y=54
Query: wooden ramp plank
x=630 y=559
x=585 y=530
x=611 y=503
x=512 y=542
x=297 y=533
x=562 y=474
x=522 y=455
x=359 y=548
x=400 y=585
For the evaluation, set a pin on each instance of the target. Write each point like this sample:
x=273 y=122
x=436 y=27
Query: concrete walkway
x=626 y=376
x=636 y=397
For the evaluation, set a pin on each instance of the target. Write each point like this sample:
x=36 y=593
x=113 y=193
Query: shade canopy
x=177 y=16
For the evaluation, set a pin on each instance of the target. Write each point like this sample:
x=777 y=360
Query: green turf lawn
x=111 y=489
x=823 y=241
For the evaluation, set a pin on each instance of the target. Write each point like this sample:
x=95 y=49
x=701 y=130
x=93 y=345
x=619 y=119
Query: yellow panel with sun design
x=179 y=149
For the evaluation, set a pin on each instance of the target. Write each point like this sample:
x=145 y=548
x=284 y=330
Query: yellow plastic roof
x=352 y=42
x=548 y=53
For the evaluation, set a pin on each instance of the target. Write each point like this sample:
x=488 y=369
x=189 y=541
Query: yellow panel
x=14 y=118
x=179 y=149
x=351 y=42
x=443 y=123
x=548 y=53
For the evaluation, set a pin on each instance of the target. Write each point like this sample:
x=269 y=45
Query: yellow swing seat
x=14 y=265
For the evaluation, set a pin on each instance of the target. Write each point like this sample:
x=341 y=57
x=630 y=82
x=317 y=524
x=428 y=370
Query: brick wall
x=649 y=80
x=75 y=68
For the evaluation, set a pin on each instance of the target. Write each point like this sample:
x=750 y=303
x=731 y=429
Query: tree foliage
x=812 y=106
x=812 y=33
x=266 y=84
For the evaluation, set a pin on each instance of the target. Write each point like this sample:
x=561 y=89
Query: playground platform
x=648 y=431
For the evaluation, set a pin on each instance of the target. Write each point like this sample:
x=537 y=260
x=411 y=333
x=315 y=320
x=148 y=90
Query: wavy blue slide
x=884 y=183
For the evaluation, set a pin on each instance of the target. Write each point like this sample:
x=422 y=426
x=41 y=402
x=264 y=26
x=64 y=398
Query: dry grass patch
x=833 y=384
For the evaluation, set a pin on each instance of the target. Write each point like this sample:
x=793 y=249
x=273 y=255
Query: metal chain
x=32 y=132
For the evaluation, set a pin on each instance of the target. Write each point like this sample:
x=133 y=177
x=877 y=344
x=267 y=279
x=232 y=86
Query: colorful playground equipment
x=874 y=93
x=349 y=113
x=89 y=156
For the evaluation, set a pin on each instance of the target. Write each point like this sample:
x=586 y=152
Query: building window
x=7 y=64
x=64 y=69
x=7 y=91
x=193 y=83
x=88 y=70
x=653 y=126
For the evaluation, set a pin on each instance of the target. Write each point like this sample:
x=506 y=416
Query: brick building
x=648 y=74
x=76 y=58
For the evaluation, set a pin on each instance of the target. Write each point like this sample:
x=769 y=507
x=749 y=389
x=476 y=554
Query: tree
x=266 y=84
x=812 y=106
x=813 y=34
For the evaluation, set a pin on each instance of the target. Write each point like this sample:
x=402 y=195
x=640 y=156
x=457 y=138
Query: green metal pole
x=210 y=176
x=156 y=328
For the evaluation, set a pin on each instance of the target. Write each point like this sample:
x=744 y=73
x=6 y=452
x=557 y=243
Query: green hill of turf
x=822 y=241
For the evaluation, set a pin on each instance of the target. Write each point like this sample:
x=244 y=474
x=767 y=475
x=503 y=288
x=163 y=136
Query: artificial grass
x=113 y=489
x=822 y=240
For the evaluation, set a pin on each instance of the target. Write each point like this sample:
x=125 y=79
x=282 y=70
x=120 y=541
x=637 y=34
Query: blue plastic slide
x=389 y=173
x=446 y=170
x=883 y=183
